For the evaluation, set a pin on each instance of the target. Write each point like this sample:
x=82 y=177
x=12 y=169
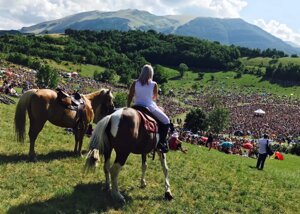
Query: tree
x=213 y=101
x=238 y=75
x=108 y=75
x=182 y=68
x=218 y=119
x=195 y=87
x=200 y=75
x=46 y=77
x=195 y=120
x=125 y=79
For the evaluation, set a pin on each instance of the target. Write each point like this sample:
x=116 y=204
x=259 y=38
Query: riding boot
x=162 y=145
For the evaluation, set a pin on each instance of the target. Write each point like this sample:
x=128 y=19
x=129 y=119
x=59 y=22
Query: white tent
x=259 y=111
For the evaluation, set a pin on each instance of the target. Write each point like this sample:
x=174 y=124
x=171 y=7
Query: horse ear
x=108 y=92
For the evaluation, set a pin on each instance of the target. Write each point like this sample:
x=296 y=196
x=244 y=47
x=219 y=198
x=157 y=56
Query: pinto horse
x=44 y=105
x=124 y=132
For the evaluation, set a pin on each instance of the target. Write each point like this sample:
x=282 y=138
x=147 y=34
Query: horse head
x=102 y=103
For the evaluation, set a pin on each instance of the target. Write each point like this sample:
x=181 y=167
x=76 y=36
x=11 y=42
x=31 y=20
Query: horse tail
x=20 y=115
x=98 y=143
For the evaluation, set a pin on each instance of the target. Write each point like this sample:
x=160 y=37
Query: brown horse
x=124 y=132
x=44 y=105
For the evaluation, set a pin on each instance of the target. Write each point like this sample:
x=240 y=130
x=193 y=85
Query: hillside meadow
x=227 y=82
x=264 y=61
x=84 y=70
x=202 y=181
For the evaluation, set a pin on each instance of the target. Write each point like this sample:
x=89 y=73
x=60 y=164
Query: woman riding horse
x=145 y=92
x=125 y=132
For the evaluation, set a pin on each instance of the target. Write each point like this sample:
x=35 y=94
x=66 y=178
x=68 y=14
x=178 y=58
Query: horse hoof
x=143 y=184
x=118 y=198
x=168 y=196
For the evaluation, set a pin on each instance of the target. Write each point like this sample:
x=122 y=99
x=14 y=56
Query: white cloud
x=279 y=30
x=15 y=14
x=228 y=8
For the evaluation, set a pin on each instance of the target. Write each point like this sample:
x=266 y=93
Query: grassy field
x=82 y=69
x=202 y=181
x=226 y=81
x=265 y=61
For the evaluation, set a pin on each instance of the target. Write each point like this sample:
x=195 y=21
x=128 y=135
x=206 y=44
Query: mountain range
x=226 y=31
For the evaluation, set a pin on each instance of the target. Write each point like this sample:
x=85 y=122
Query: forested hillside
x=123 y=52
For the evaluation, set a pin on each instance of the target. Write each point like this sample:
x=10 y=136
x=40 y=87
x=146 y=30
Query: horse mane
x=92 y=95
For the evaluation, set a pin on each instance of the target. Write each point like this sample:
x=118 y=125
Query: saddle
x=149 y=120
x=73 y=102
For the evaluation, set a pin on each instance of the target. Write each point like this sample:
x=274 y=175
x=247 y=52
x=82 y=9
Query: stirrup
x=163 y=148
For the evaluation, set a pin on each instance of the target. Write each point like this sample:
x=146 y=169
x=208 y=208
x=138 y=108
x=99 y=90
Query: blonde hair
x=146 y=74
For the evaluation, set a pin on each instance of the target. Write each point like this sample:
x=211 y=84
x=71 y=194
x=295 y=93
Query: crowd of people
x=281 y=119
x=14 y=76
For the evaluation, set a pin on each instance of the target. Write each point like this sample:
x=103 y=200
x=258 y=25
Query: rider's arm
x=131 y=94
x=155 y=92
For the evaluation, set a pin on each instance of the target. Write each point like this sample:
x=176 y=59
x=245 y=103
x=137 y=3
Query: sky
x=278 y=17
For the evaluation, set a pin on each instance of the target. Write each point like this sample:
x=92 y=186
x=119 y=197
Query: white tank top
x=143 y=94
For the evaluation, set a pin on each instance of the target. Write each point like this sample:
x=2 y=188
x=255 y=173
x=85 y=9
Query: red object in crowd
x=173 y=143
x=9 y=73
x=278 y=156
x=204 y=139
x=248 y=146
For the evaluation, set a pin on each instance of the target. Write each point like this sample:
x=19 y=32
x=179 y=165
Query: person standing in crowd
x=209 y=141
x=145 y=92
x=262 y=151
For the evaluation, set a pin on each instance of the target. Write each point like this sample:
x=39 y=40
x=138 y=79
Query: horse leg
x=106 y=169
x=34 y=130
x=144 y=168
x=76 y=135
x=114 y=172
x=79 y=134
x=163 y=161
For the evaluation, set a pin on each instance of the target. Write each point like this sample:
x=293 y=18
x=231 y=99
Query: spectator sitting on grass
x=174 y=142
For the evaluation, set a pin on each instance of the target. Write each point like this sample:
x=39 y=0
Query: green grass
x=201 y=181
x=83 y=69
x=226 y=81
x=265 y=61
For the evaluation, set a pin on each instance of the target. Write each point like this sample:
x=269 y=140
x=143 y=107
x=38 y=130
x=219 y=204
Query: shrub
x=200 y=75
x=195 y=120
x=120 y=99
x=183 y=68
x=295 y=149
x=46 y=77
x=238 y=75
x=218 y=119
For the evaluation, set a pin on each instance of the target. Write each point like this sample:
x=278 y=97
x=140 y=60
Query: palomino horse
x=43 y=105
x=124 y=132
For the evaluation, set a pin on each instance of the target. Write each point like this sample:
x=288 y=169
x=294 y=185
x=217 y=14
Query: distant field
x=82 y=69
x=265 y=61
x=226 y=81
x=56 y=35
x=202 y=181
